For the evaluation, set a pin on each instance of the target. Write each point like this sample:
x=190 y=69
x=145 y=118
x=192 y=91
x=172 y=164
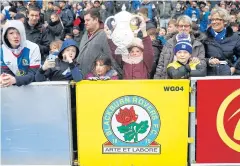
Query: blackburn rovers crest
x=131 y=124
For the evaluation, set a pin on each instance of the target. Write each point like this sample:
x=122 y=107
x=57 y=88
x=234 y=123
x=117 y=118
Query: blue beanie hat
x=183 y=45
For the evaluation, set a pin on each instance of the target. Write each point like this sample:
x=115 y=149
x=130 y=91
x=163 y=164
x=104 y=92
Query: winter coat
x=63 y=70
x=177 y=70
x=38 y=35
x=167 y=54
x=78 y=38
x=136 y=71
x=66 y=16
x=55 y=29
x=204 y=22
x=22 y=63
x=112 y=74
x=157 y=49
x=164 y=9
x=225 y=49
x=91 y=48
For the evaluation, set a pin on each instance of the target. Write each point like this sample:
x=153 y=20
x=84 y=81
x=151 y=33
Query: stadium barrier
x=147 y=122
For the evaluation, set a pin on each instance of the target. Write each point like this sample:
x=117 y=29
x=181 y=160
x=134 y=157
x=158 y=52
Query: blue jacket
x=204 y=22
x=63 y=70
x=150 y=10
x=190 y=11
x=225 y=49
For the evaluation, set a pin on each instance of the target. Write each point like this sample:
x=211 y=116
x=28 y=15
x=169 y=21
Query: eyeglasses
x=216 y=19
x=184 y=26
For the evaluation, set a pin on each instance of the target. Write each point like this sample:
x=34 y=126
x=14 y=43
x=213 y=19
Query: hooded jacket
x=23 y=62
x=63 y=70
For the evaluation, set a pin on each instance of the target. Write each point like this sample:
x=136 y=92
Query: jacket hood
x=68 y=43
x=17 y=25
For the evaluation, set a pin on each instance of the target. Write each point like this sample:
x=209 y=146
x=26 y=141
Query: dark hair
x=106 y=60
x=94 y=13
x=5 y=37
x=34 y=8
x=143 y=11
x=69 y=34
x=234 y=24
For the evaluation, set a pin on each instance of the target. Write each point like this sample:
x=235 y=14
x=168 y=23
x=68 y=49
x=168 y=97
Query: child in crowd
x=103 y=70
x=183 y=67
x=62 y=68
x=138 y=63
x=161 y=35
x=55 y=47
x=68 y=36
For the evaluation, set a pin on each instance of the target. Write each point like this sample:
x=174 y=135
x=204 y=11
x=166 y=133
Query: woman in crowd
x=221 y=44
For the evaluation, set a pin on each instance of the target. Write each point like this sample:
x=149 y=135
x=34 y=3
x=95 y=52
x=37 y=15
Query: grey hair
x=184 y=18
x=223 y=13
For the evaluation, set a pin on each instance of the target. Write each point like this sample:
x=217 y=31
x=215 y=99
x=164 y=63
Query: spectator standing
x=35 y=31
x=48 y=12
x=94 y=42
x=66 y=16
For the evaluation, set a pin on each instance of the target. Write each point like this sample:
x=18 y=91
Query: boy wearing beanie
x=183 y=67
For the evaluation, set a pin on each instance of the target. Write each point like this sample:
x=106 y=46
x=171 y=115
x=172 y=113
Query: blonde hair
x=184 y=18
x=56 y=43
x=223 y=13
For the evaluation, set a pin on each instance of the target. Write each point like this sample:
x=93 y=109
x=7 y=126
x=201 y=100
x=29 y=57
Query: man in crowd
x=35 y=31
x=94 y=42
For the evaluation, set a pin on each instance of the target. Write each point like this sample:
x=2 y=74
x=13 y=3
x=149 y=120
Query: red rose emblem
x=126 y=116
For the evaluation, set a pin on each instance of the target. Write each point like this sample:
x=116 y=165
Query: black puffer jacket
x=225 y=49
x=38 y=35
x=157 y=48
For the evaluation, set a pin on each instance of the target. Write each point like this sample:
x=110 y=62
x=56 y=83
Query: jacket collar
x=228 y=33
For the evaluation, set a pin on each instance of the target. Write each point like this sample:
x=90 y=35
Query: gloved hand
x=187 y=67
x=105 y=78
x=93 y=78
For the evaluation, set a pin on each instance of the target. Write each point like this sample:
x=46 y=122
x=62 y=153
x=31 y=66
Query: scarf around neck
x=218 y=36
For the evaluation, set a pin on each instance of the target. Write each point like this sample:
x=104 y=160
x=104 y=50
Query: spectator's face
x=234 y=28
x=96 y=4
x=50 y=6
x=33 y=17
x=183 y=56
x=69 y=51
x=67 y=37
x=101 y=69
x=90 y=23
x=194 y=4
x=233 y=18
x=162 y=32
x=171 y=28
x=136 y=52
x=76 y=31
x=14 y=37
x=217 y=23
x=184 y=27
x=19 y=4
x=61 y=4
x=54 y=18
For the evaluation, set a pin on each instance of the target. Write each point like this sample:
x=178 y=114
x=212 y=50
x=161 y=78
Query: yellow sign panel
x=132 y=123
